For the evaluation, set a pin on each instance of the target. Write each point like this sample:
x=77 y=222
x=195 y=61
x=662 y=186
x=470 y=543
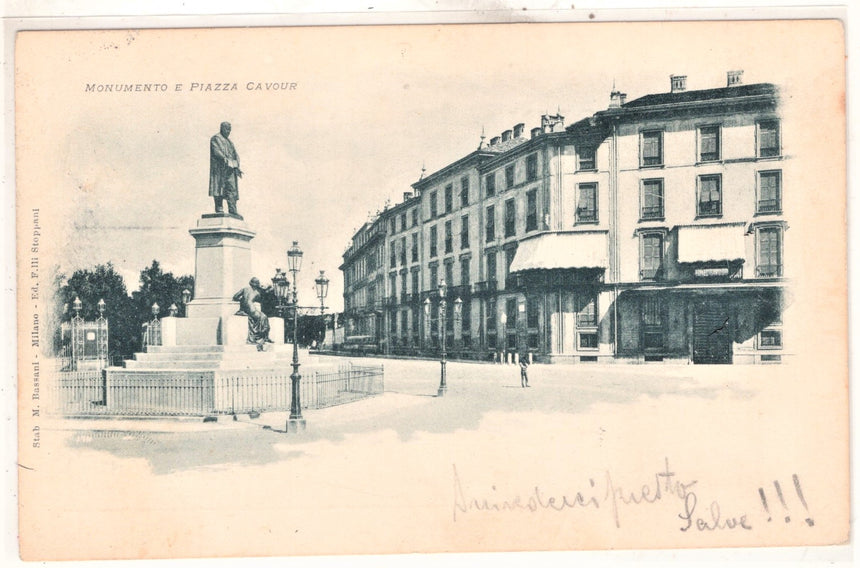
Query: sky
x=121 y=177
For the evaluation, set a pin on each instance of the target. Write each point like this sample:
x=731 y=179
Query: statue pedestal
x=222 y=263
x=222 y=266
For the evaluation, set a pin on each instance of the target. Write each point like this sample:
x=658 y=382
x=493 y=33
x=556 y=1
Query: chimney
x=506 y=135
x=679 y=83
x=616 y=99
x=407 y=195
x=734 y=78
x=518 y=129
x=494 y=140
x=536 y=131
x=548 y=122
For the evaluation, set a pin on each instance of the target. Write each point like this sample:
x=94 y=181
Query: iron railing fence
x=200 y=393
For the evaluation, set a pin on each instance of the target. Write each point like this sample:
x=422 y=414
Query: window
x=415 y=326
x=585 y=158
x=531 y=167
x=414 y=247
x=404 y=322
x=403 y=280
x=464 y=232
x=511 y=314
x=490 y=323
x=769 y=192
x=769 y=256
x=709 y=143
x=490 y=181
x=466 y=323
x=403 y=251
x=434 y=278
x=392 y=287
x=510 y=218
x=415 y=217
x=433 y=210
x=532 y=321
x=491 y=266
x=449 y=198
x=509 y=176
x=509 y=259
x=403 y=222
x=588 y=340
x=768 y=139
x=652 y=255
x=449 y=238
x=449 y=273
x=586 y=203
x=393 y=224
x=511 y=323
x=465 y=265
x=464 y=191
x=586 y=312
x=651 y=148
x=490 y=231
x=770 y=339
x=531 y=210
x=652 y=323
x=393 y=324
x=710 y=196
x=415 y=276
x=393 y=255
x=433 y=237
x=652 y=199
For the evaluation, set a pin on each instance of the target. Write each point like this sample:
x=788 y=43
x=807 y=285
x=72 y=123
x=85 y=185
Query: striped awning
x=550 y=251
x=711 y=243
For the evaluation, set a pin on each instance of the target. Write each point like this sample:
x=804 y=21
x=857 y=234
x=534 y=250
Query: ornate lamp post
x=458 y=312
x=296 y=422
x=186 y=298
x=102 y=335
x=77 y=333
x=281 y=287
x=321 y=284
x=443 y=332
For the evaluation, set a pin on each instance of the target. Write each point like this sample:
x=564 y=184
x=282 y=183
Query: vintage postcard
x=317 y=290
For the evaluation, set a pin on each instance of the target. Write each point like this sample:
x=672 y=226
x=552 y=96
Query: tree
x=103 y=283
x=157 y=286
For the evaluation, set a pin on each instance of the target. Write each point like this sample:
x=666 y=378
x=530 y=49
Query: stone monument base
x=226 y=329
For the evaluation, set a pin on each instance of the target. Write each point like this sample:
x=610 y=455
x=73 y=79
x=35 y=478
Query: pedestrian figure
x=524 y=374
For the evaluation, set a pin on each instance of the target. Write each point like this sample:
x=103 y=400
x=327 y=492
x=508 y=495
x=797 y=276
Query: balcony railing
x=769 y=270
x=655 y=212
x=460 y=291
x=649 y=273
x=710 y=207
x=586 y=215
x=769 y=206
x=486 y=286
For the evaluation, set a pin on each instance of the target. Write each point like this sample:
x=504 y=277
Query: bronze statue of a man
x=249 y=299
x=224 y=170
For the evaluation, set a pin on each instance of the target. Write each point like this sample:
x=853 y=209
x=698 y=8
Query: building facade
x=650 y=231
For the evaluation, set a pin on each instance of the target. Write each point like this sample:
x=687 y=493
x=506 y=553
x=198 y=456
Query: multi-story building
x=650 y=231
x=364 y=284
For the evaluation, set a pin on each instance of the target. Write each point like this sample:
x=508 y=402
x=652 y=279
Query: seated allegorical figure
x=249 y=299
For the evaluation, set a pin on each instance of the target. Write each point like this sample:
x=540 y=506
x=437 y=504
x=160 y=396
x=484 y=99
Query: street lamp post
x=296 y=422
x=321 y=284
x=443 y=332
x=186 y=298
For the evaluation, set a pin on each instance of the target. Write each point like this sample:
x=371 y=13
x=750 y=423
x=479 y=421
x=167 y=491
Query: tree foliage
x=103 y=282
x=162 y=288
x=125 y=313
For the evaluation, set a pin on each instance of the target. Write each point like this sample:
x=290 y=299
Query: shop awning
x=711 y=243
x=562 y=250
